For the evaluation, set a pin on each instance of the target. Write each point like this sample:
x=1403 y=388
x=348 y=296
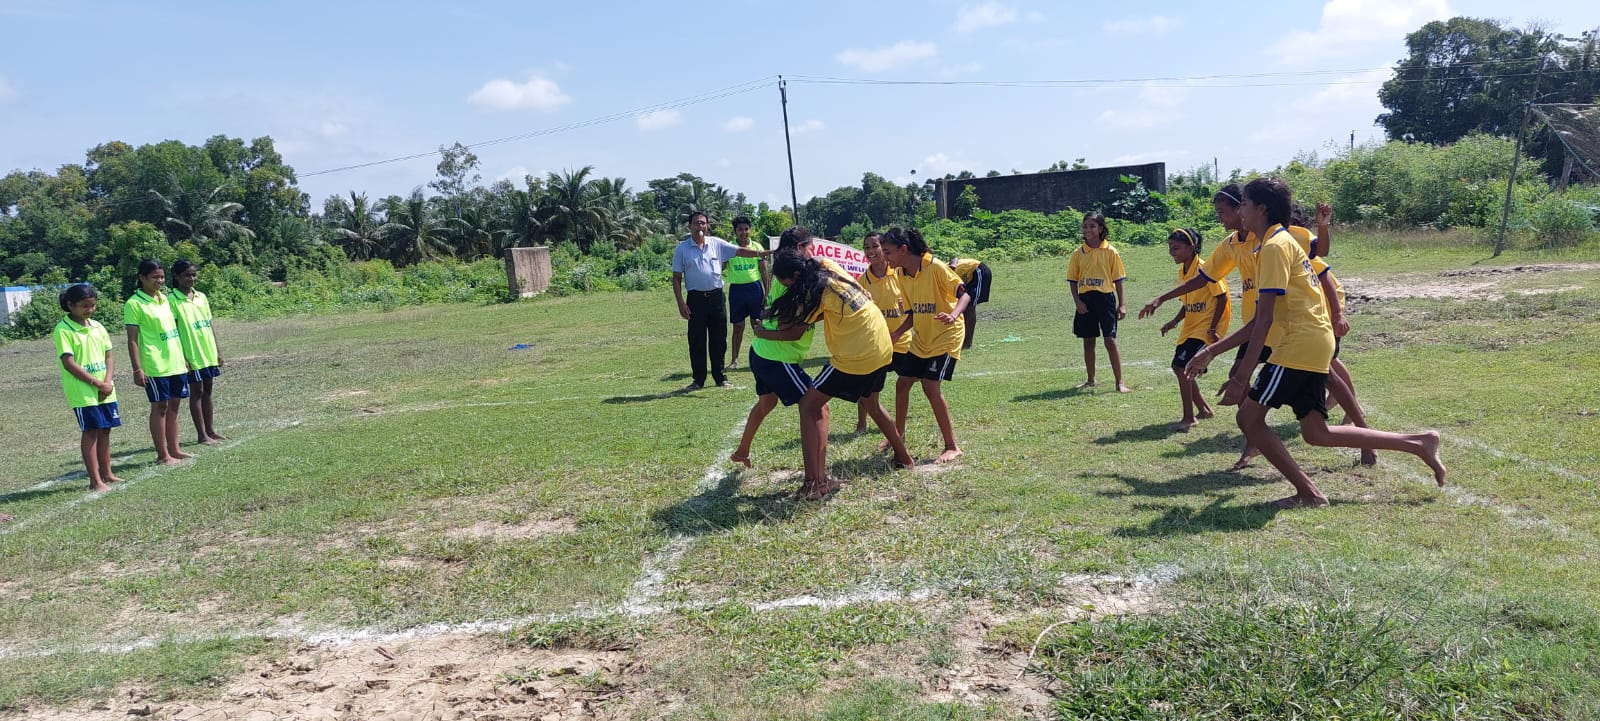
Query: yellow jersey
x=1235 y=253
x=1321 y=268
x=965 y=268
x=930 y=292
x=1096 y=270
x=1198 y=306
x=858 y=338
x=886 y=294
x=1301 y=336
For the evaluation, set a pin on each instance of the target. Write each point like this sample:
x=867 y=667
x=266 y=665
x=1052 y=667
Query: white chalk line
x=344 y=637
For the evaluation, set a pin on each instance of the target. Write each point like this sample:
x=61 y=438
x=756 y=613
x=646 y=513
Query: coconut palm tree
x=473 y=232
x=355 y=225
x=570 y=211
x=522 y=224
x=412 y=229
x=209 y=220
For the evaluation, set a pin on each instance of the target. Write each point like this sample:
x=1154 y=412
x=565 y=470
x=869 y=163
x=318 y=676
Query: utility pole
x=1516 y=160
x=783 y=97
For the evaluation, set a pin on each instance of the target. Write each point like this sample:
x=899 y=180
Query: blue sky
x=341 y=83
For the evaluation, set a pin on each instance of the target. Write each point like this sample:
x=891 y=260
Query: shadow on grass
x=118 y=456
x=680 y=376
x=1221 y=514
x=647 y=397
x=722 y=507
x=1194 y=484
x=20 y=496
x=1054 y=395
x=833 y=437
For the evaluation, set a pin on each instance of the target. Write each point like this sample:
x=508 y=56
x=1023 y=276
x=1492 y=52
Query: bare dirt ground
x=1467 y=283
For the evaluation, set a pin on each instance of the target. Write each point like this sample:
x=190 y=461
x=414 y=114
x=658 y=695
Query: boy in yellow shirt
x=1095 y=269
x=1292 y=318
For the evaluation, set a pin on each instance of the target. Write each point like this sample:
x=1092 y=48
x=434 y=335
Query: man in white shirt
x=697 y=263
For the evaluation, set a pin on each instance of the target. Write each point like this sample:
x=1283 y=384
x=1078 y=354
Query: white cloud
x=901 y=53
x=939 y=165
x=808 y=126
x=1157 y=104
x=1349 y=26
x=1155 y=25
x=538 y=93
x=1157 y=156
x=514 y=173
x=1358 y=89
x=658 y=119
x=724 y=163
x=738 y=124
x=331 y=128
x=972 y=18
x=6 y=91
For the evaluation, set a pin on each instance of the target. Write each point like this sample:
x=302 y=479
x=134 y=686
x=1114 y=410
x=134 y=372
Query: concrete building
x=1049 y=192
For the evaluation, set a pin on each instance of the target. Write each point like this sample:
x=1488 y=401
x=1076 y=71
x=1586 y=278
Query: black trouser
x=708 y=331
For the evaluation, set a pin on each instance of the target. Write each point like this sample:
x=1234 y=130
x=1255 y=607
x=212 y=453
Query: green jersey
x=160 y=350
x=743 y=270
x=194 y=328
x=782 y=351
x=89 y=345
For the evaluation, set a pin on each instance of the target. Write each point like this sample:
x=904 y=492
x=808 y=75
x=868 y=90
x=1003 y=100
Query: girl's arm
x=905 y=325
x=766 y=274
x=1324 y=230
x=786 y=332
x=962 y=299
x=76 y=371
x=1219 y=306
x=1075 y=299
x=1190 y=285
x=1330 y=297
x=1122 y=305
x=133 y=354
x=1175 y=321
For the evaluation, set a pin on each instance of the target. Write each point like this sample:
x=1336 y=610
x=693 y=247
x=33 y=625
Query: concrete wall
x=1049 y=192
x=12 y=298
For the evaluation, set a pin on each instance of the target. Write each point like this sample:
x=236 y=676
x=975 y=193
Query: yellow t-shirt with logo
x=886 y=294
x=928 y=293
x=1096 y=270
x=1321 y=267
x=1301 y=336
x=858 y=337
x=965 y=268
x=1198 y=308
x=1235 y=253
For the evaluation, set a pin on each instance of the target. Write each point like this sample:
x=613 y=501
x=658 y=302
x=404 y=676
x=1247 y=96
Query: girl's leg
x=1113 y=350
x=158 y=432
x=814 y=444
x=941 y=413
x=738 y=337
x=104 y=448
x=1338 y=369
x=758 y=413
x=902 y=457
x=197 y=411
x=902 y=407
x=1252 y=419
x=1088 y=362
x=88 y=447
x=970 y=317
x=173 y=449
x=1315 y=429
x=1202 y=408
x=1186 y=398
x=861 y=414
x=1345 y=396
x=205 y=409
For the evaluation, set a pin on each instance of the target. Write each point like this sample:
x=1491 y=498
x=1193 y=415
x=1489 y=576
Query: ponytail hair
x=793 y=236
x=76 y=294
x=1297 y=214
x=1187 y=235
x=148 y=266
x=1274 y=195
x=808 y=279
x=907 y=238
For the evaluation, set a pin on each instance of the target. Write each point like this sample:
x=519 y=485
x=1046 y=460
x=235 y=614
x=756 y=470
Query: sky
x=650 y=90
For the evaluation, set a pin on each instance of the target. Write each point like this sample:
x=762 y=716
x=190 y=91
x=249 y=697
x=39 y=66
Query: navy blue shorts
x=166 y=388
x=1266 y=352
x=849 y=386
x=203 y=374
x=787 y=381
x=92 y=418
x=979 y=287
x=1101 y=320
x=939 y=368
x=745 y=301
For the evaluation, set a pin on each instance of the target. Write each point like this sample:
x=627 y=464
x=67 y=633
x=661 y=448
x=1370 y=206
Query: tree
x=457 y=171
x=412 y=230
x=204 y=221
x=355 y=226
x=570 y=211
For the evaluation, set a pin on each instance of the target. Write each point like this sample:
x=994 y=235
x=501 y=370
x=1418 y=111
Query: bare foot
x=1123 y=388
x=732 y=365
x=169 y=461
x=114 y=479
x=1205 y=413
x=883 y=445
x=98 y=487
x=818 y=491
x=180 y=455
x=741 y=458
x=1182 y=426
x=6 y=517
x=860 y=429
x=1248 y=455
x=1430 y=456
x=1086 y=384
x=1299 y=501
x=1369 y=457
x=949 y=455
x=208 y=441
x=899 y=464
x=218 y=437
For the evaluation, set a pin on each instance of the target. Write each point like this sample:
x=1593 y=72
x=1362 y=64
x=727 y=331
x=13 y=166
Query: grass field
x=561 y=532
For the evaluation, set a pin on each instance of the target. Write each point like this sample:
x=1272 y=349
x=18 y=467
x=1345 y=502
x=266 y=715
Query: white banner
x=848 y=257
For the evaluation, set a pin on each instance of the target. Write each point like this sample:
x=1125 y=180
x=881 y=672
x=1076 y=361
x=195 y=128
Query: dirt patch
x=531 y=528
x=1462 y=284
x=444 y=677
x=341 y=394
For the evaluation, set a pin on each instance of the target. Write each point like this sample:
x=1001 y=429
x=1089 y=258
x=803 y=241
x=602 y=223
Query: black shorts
x=939 y=368
x=1101 y=320
x=849 y=386
x=787 y=381
x=1185 y=351
x=1303 y=391
x=744 y=301
x=1266 y=353
x=978 y=289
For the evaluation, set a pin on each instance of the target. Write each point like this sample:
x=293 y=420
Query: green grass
x=395 y=469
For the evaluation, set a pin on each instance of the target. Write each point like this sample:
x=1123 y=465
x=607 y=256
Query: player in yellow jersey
x=1095 y=273
x=861 y=349
x=935 y=299
x=883 y=283
x=1341 y=389
x=1204 y=320
x=1292 y=318
x=83 y=348
x=974 y=274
